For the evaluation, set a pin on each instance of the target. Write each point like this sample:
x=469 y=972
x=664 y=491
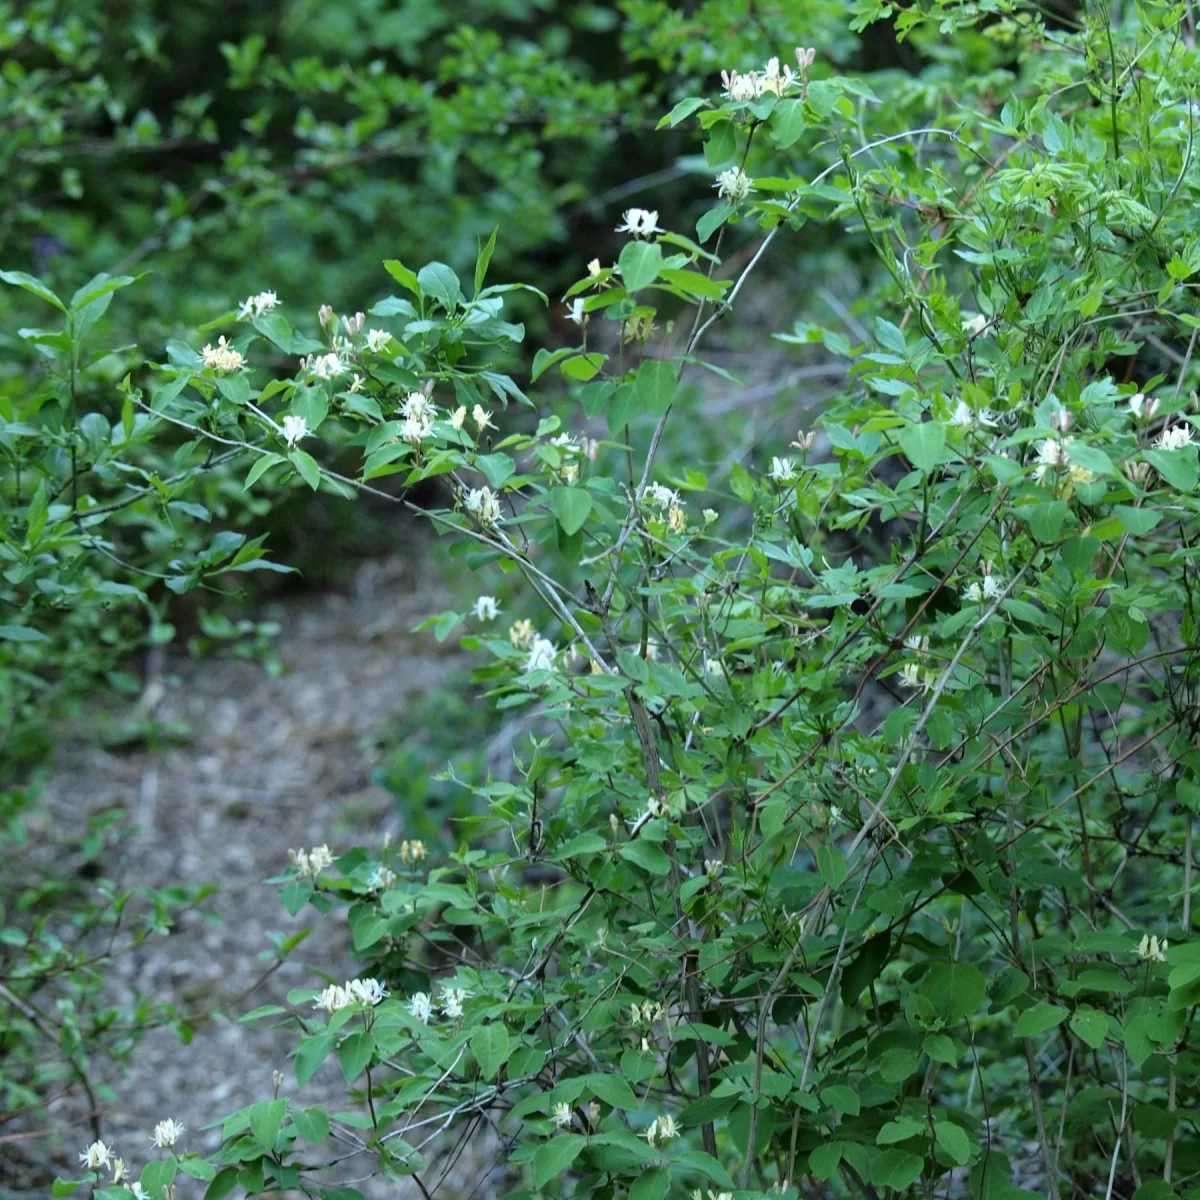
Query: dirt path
x=270 y=764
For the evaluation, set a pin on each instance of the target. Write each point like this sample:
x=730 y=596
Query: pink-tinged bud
x=1061 y=420
x=325 y=316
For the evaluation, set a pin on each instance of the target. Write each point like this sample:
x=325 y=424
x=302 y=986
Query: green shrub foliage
x=848 y=846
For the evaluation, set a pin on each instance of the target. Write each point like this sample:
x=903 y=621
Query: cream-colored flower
x=367 y=991
x=486 y=608
x=774 y=78
x=521 y=634
x=167 y=1133
x=912 y=676
x=382 y=878
x=662 y=1129
x=676 y=519
x=709 y=515
x=741 y=86
x=324 y=366
x=575 y=311
x=542 y=654
x=412 y=851
x=139 y=1192
x=294 y=428
x=452 y=1001
x=483 y=504
x=975 y=324
x=1150 y=949
x=1052 y=454
x=482 y=418
x=222 y=357
x=733 y=185
x=458 y=416
x=421 y=1007
x=257 y=306
x=332 y=998
x=660 y=496
x=641 y=222
x=97 y=1155
x=561 y=1115
x=118 y=1170
x=1174 y=438
x=782 y=470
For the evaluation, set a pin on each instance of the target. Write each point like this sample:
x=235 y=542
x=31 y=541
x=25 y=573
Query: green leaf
x=483 y=258
x=1046 y=519
x=1038 y=1018
x=721 y=147
x=265 y=1120
x=310 y=1054
x=21 y=633
x=711 y=221
x=197 y=1168
x=438 y=280
x=940 y=1048
x=222 y=1185
x=355 y=1053
x=312 y=1124
x=954 y=1141
x=613 y=1090
x=900 y=1131
x=682 y=111
x=1177 y=467
x=64 y=1187
x=582 y=367
x=823 y=1161
x=651 y=1184
x=788 y=123
x=842 y=1099
x=923 y=444
x=655 y=386
x=36 y=286
x=158 y=1175
x=555 y=1156
x=831 y=863
x=1137 y=520
x=495 y=468
x=896 y=1169
x=491 y=1047
x=708 y=1166
x=1090 y=1025
x=570 y=506
x=306 y=467
x=312 y=404
x=640 y=263
x=261 y=466
x=646 y=855
x=955 y=989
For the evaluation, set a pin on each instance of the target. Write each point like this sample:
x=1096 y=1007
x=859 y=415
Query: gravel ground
x=269 y=764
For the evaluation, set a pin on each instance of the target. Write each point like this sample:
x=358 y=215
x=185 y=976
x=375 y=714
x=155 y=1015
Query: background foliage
x=847 y=844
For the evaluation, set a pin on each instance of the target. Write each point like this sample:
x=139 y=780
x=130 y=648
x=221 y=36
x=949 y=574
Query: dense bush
x=848 y=848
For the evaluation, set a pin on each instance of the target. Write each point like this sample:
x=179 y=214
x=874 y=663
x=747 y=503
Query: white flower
x=97 y=1155
x=412 y=851
x=521 y=634
x=740 y=87
x=319 y=858
x=483 y=504
x=963 y=415
x=421 y=1007
x=414 y=431
x=1051 y=454
x=733 y=185
x=482 y=418
x=294 y=428
x=975 y=593
x=1143 y=406
x=333 y=998
x=541 y=655
x=458 y=416
x=354 y=324
x=776 y=79
x=575 y=311
x=912 y=676
x=1174 y=438
x=660 y=496
x=256 y=306
x=918 y=644
x=452 y=1001
x=713 y=666
x=325 y=366
x=662 y=1129
x=561 y=1115
x=325 y=316
x=1060 y=419
x=676 y=519
x=992 y=587
x=367 y=991
x=709 y=515
x=486 y=608
x=382 y=878
x=417 y=407
x=594 y=268
x=166 y=1133
x=222 y=357
x=641 y=222
x=139 y=1192
x=782 y=470
x=377 y=340
x=118 y=1170
x=1152 y=950
x=975 y=324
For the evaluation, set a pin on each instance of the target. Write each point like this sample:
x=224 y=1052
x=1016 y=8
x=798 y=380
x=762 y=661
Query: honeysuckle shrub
x=847 y=847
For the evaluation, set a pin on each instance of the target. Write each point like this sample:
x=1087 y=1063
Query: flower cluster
x=293 y=428
x=733 y=185
x=381 y=878
x=486 y=608
x=368 y=992
x=419 y=413
x=648 y=1013
x=782 y=470
x=1150 y=949
x=257 y=306
x=1174 y=438
x=987 y=588
x=222 y=357
x=641 y=222
x=771 y=80
x=542 y=655
x=312 y=863
x=452 y=1001
x=324 y=366
x=167 y=1133
x=1054 y=455
x=377 y=340
x=412 y=852
x=484 y=505
x=968 y=418
x=662 y=1129
x=1143 y=407
x=561 y=1115
x=660 y=497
